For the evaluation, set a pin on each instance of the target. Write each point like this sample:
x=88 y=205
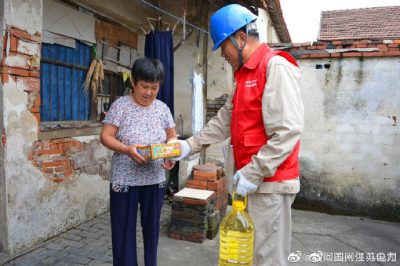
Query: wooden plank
x=87 y=93
x=68 y=85
x=54 y=87
x=75 y=86
x=61 y=84
x=45 y=84
x=115 y=35
x=81 y=80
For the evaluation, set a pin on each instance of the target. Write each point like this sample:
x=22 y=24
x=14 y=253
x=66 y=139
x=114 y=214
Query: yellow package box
x=158 y=151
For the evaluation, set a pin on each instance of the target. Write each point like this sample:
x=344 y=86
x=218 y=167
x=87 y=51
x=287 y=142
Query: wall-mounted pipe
x=172 y=15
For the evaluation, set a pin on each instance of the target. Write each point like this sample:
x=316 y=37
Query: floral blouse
x=138 y=125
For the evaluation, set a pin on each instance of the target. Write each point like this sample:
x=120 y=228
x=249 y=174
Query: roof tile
x=363 y=23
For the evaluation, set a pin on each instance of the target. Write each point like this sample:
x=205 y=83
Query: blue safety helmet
x=228 y=20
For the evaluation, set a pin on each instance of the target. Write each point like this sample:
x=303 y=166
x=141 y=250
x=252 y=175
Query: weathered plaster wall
x=350 y=145
x=266 y=29
x=3 y=216
x=46 y=186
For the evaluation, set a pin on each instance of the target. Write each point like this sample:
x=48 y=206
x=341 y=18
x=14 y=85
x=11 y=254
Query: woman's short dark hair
x=146 y=69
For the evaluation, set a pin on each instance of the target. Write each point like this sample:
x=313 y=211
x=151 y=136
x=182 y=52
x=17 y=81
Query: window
x=63 y=72
x=63 y=96
x=113 y=86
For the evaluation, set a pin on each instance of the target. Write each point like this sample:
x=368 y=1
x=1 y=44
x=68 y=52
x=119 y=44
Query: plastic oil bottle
x=236 y=235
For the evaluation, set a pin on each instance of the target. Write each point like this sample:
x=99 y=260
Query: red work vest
x=247 y=126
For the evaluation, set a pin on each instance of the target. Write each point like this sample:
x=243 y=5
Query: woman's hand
x=168 y=164
x=133 y=153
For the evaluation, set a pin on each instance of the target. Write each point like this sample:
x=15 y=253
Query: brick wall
x=60 y=159
x=344 y=48
x=21 y=63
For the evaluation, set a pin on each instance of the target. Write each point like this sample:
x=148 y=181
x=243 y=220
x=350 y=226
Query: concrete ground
x=318 y=237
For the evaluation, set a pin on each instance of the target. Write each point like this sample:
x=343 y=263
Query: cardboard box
x=158 y=151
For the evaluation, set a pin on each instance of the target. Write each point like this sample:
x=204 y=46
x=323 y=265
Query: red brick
x=68 y=172
x=212 y=186
x=197 y=202
x=337 y=42
x=48 y=170
x=209 y=175
x=391 y=53
x=201 y=178
x=196 y=184
x=319 y=55
x=372 y=54
x=34 y=110
x=352 y=54
x=53 y=145
x=55 y=141
x=30 y=155
x=37 y=101
x=5 y=78
x=392 y=49
x=24 y=35
x=335 y=54
x=174 y=236
x=72 y=146
x=304 y=56
x=13 y=43
x=361 y=45
x=37 y=115
x=57 y=180
x=61 y=162
x=199 y=182
x=29 y=83
x=14 y=71
x=47 y=152
x=393 y=45
x=34 y=73
x=320 y=47
x=382 y=47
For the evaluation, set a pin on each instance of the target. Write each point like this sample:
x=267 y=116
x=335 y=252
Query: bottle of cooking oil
x=236 y=235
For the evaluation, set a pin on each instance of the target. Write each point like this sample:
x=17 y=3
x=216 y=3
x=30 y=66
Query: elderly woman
x=133 y=121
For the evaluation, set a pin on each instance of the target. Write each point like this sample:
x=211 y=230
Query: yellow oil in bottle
x=236 y=236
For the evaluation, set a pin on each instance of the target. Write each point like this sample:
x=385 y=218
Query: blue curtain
x=159 y=45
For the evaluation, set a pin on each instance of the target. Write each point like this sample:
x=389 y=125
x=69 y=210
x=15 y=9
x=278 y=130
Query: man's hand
x=185 y=149
x=243 y=186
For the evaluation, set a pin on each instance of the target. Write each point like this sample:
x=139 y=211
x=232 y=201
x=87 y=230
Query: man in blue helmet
x=264 y=119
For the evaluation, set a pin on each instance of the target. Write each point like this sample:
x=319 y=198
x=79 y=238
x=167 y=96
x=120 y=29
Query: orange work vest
x=247 y=126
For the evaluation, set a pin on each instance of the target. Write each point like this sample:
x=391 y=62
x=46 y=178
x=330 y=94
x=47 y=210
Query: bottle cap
x=238 y=205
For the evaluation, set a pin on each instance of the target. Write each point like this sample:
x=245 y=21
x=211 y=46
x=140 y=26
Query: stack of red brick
x=189 y=217
x=194 y=220
x=211 y=177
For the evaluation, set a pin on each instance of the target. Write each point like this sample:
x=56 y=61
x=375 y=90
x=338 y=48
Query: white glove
x=243 y=186
x=185 y=149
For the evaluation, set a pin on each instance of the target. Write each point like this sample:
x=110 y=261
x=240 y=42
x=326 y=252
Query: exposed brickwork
x=193 y=219
x=21 y=63
x=59 y=159
x=341 y=48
